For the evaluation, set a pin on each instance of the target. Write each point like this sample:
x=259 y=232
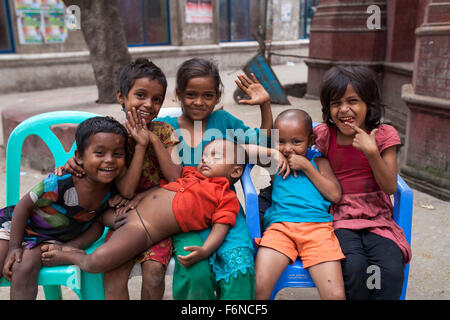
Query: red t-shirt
x=201 y=202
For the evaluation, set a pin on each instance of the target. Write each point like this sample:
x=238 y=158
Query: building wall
x=74 y=41
x=285 y=30
x=47 y=66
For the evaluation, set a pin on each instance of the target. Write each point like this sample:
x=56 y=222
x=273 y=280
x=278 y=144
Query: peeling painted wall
x=284 y=28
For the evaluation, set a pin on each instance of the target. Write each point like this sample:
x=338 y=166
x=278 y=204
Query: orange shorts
x=314 y=242
x=161 y=251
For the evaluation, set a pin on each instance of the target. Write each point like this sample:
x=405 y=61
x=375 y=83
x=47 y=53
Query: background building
x=410 y=52
x=166 y=31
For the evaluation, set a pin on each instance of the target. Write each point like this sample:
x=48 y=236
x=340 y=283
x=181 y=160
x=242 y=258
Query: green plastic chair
x=87 y=286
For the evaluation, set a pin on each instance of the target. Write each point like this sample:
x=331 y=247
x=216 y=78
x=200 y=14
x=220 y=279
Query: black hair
x=296 y=114
x=95 y=125
x=362 y=79
x=198 y=67
x=140 y=68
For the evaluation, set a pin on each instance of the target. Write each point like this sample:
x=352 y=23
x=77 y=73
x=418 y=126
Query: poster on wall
x=40 y=21
x=29 y=26
x=199 y=11
x=53 y=5
x=55 y=27
x=29 y=5
x=286 y=9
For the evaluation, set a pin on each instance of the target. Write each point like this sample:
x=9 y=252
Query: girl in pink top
x=362 y=153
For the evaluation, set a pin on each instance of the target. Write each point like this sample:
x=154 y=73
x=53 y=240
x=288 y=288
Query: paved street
x=430 y=267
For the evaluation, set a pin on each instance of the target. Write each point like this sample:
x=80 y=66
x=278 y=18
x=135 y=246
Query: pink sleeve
x=386 y=137
x=322 y=133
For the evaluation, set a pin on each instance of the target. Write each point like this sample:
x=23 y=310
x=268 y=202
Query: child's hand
x=256 y=92
x=137 y=128
x=14 y=256
x=366 y=143
x=71 y=167
x=283 y=164
x=120 y=219
x=197 y=254
x=297 y=162
x=152 y=137
x=118 y=201
x=131 y=204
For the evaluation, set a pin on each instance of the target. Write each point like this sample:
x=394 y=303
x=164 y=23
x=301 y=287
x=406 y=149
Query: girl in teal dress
x=229 y=274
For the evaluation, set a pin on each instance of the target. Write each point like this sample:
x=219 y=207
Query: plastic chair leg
x=405 y=282
x=92 y=286
x=52 y=292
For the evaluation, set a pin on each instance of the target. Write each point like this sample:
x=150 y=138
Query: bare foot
x=54 y=258
x=57 y=247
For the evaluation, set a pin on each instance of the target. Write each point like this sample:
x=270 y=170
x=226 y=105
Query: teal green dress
x=235 y=256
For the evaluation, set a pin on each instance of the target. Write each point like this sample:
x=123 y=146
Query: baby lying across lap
x=200 y=198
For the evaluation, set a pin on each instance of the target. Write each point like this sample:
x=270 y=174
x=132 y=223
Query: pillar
x=428 y=101
x=340 y=35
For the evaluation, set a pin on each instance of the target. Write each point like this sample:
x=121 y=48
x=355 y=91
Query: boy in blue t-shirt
x=298 y=222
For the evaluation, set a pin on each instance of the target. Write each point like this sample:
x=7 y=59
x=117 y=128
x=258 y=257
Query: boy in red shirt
x=201 y=197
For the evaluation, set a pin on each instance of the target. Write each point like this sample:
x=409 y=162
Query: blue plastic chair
x=85 y=285
x=294 y=275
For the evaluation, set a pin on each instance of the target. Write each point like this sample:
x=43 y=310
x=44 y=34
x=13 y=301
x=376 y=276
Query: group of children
x=165 y=186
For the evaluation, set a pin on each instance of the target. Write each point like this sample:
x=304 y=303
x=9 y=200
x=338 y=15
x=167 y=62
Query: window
x=239 y=19
x=146 y=22
x=307 y=10
x=6 y=37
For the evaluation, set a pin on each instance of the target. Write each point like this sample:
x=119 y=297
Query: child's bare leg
x=4 y=247
x=327 y=277
x=116 y=282
x=24 y=275
x=153 y=280
x=124 y=244
x=269 y=265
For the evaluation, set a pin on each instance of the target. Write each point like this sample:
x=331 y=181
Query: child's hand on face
x=197 y=254
x=366 y=143
x=297 y=162
x=137 y=128
x=283 y=164
x=256 y=92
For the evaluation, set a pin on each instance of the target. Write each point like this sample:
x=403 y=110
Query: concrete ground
x=429 y=276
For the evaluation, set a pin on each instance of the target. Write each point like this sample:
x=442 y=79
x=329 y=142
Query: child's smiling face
x=199 y=98
x=104 y=158
x=350 y=108
x=146 y=95
x=293 y=137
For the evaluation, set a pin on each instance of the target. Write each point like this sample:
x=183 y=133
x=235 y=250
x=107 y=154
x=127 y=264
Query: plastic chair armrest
x=251 y=203
x=403 y=206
